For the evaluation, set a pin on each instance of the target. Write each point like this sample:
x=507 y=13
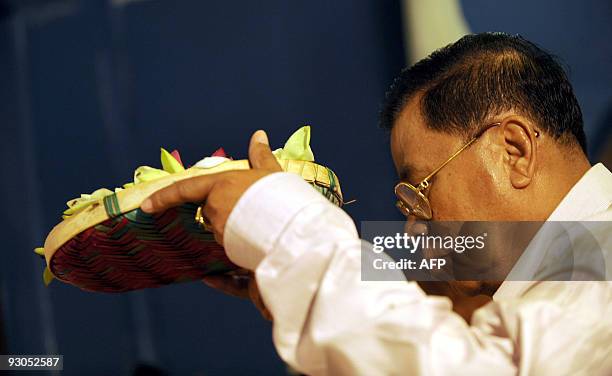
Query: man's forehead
x=410 y=122
x=409 y=139
x=415 y=147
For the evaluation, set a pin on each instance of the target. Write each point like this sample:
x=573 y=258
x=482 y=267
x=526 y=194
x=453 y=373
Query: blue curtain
x=91 y=89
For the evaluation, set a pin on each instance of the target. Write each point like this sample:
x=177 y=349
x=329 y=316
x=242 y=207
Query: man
x=509 y=110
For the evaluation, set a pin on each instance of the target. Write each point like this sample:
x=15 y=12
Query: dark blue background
x=89 y=90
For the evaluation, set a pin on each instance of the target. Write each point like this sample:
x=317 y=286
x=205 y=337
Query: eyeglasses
x=412 y=200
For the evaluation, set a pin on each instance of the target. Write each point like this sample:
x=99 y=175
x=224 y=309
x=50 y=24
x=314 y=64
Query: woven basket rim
x=130 y=198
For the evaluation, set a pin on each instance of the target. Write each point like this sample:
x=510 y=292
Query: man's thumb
x=260 y=154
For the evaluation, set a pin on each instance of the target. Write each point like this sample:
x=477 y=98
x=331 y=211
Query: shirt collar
x=592 y=194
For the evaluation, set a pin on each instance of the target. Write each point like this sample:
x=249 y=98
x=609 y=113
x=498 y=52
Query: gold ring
x=202 y=220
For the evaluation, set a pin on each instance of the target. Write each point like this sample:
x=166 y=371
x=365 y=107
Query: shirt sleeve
x=306 y=255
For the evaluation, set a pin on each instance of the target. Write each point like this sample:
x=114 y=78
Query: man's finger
x=189 y=190
x=260 y=154
x=229 y=284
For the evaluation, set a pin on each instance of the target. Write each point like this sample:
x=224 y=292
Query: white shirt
x=306 y=256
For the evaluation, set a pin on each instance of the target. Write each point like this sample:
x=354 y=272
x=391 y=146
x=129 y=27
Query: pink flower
x=219 y=153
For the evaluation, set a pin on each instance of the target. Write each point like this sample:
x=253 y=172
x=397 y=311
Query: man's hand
x=219 y=192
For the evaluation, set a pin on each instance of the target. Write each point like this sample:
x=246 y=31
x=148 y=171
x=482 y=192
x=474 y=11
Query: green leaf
x=169 y=163
x=47 y=276
x=78 y=204
x=146 y=173
x=297 y=146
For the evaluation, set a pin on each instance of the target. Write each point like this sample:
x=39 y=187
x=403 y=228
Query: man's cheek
x=445 y=202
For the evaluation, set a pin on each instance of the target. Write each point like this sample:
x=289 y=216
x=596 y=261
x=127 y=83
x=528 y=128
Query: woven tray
x=112 y=246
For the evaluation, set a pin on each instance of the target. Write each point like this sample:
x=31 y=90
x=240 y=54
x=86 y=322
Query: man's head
x=518 y=170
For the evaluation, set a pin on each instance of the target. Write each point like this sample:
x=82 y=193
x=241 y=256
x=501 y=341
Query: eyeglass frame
x=425 y=183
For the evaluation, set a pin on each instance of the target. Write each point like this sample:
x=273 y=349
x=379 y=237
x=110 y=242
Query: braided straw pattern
x=131 y=250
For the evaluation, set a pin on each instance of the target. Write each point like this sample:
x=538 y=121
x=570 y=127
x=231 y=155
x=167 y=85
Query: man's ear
x=520 y=141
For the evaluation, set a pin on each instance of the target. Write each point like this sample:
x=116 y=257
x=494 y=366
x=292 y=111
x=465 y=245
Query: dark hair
x=481 y=75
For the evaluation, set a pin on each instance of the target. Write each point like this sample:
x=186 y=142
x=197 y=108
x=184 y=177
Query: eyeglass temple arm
x=448 y=160
x=458 y=152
